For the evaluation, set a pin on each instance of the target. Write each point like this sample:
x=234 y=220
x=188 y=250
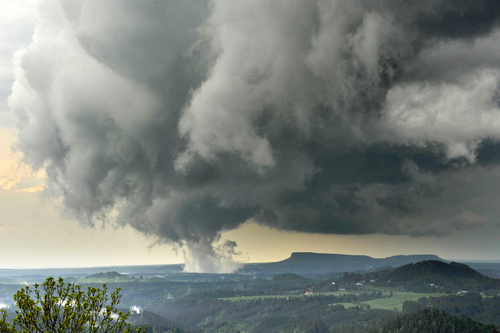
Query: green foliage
x=300 y=314
x=294 y=279
x=4 y=326
x=483 y=309
x=427 y=320
x=315 y=326
x=55 y=306
x=351 y=277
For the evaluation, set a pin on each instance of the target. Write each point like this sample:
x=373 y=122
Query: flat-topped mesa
x=312 y=255
x=394 y=261
x=312 y=264
x=400 y=260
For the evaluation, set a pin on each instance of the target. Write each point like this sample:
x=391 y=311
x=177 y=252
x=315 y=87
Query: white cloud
x=457 y=115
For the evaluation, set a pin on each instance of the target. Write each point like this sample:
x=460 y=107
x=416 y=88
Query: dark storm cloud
x=188 y=118
x=457 y=18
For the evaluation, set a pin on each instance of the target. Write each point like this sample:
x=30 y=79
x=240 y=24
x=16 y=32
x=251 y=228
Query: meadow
x=388 y=302
x=396 y=300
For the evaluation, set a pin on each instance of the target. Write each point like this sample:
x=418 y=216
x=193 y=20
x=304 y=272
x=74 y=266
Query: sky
x=216 y=132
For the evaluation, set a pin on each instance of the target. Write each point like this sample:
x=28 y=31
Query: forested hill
x=313 y=264
x=107 y=277
x=428 y=275
x=427 y=320
x=435 y=268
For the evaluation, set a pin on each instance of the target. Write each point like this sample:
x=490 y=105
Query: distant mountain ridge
x=307 y=264
x=311 y=256
x=313 y=264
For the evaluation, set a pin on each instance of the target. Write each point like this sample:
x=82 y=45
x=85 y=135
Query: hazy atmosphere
x=218 y=132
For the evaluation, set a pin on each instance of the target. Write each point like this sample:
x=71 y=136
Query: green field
x=249 y=298
x=346 y=305
x=336 y=293
x=397 y=300
x=388 y=303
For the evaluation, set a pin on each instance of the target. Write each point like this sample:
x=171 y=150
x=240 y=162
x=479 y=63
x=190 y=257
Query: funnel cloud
x=188 y=118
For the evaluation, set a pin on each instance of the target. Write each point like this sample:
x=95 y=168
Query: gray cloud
x=345 y=117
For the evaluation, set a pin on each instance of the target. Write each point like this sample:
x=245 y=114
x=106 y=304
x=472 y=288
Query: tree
x=4 y=326
x=59 y=307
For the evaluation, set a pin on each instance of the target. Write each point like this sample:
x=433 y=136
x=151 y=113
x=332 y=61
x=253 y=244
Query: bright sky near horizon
x=173 y=138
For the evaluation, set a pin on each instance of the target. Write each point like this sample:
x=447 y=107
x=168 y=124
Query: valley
x=275 y=297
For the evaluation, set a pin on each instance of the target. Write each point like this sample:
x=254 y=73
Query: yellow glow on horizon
x=33 y=189
x=12 y=168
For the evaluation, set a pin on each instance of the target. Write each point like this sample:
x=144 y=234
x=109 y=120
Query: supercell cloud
x=188 y=118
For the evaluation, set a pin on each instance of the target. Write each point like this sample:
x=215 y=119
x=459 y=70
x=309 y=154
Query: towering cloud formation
x=326 y=116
